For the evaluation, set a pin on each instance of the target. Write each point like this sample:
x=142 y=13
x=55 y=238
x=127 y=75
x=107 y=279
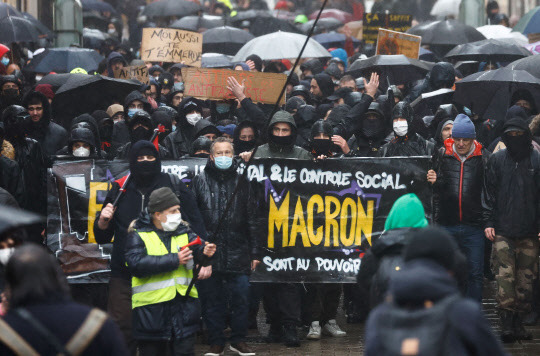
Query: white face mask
x=173 y=220
x=5 y=254
x=38 y=77
x=401 y=128
x=81 y=152
x=192 y=119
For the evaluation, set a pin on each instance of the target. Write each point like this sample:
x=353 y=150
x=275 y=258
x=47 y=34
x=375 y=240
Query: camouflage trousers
x=515 y=262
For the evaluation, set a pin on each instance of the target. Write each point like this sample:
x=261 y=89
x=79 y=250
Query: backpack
x=419 y=332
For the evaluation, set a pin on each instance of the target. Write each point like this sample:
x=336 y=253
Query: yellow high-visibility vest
x=164 y=286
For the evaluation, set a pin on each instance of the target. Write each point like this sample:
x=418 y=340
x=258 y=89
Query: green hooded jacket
x=407 y=211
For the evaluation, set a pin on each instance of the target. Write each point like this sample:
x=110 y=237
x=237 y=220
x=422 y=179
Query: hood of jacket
x=162 y=118
x=93 y=126
x=407 y=211
x=136 y=95
x=420 y=280
x=338 y=113
x=112 y=57
x=394 y=240
x=442 y=75
x=46 y=118
x=325 y=83
x=516 y=111
x=523 y=94
x=82 y=135
x=203 y=126
x=242 y=125
x=314 y=65
x=282 y=116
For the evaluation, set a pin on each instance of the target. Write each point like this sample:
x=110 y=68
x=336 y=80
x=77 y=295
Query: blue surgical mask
x=223 y=162
x=179 y=86
x=132 y=112
x=222 y=108
x=5 y=61
x=173 y=128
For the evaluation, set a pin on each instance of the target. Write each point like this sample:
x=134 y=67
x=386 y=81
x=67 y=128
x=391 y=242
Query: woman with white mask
x=81 y=144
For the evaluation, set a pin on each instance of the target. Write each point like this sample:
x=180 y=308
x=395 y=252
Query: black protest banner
x=76 y=191
x=373 y=21
x=315 y=218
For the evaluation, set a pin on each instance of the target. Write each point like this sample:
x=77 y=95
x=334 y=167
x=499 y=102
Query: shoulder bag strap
x=14 y=341
x=87 y=332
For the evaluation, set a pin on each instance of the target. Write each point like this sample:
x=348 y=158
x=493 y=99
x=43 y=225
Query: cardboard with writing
x=393 y=42
x=170 y=45
x=373 y=21
x=139 y=73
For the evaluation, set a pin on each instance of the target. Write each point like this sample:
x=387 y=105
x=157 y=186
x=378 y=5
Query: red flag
x=156 y=143
x=122 y=181
x=160 y=129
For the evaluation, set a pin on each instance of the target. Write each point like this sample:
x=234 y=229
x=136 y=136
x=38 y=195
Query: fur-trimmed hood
x=8 y=150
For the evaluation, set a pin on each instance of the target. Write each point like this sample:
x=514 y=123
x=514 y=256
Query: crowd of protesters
x=485 y=177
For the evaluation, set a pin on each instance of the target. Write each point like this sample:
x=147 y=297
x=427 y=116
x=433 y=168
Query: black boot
x=252 y=319
x=531 y=319
x=507 y=330
x=275 y=334
x=290 y=336
x=520 y=333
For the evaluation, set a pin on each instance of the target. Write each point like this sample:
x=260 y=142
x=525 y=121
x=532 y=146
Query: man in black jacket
x=178 y=143
x=511 y=201
x=458 y=177
x=51 y=136
x=146 y=176
x=237 y=254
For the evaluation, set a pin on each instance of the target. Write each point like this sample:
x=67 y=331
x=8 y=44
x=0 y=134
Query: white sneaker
x=331 y=328
x=314 y=331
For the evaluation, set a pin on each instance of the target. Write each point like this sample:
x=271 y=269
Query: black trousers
x=282 y=303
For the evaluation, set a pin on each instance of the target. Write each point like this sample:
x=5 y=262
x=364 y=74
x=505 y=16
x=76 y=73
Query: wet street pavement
x=352 y=344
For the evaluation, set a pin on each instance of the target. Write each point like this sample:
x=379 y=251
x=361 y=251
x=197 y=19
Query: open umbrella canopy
x=167 y=8
x=398 y=68
x=97 y=5
x=530 y=22
x=17 y=29
x=428 y=103
x=340 y=15
x=333 y=40
x=195 y=23
x=530 y=64
x=11 y=218
x=447 y=32
x=216 y=60
x=64 y=60
x=281 y=45
x=265 y=25
x=323 y=25
x=490 y=50
x=478 y=90
x=8 y=10
x=56 y=80
x=443 y=8
x=93 y=38
x=83 y=93
x=500 y=31
x=250 y=15
x=41 y=28
x=225 y=39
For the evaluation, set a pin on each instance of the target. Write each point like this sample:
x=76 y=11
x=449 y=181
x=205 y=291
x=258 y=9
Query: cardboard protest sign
x=211 y=83
x=170 y=45
x=373 y=21
x=392 y=42
x=315 y=219
x=139 y=73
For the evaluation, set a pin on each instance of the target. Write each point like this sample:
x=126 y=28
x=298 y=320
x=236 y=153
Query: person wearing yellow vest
x=163 y=318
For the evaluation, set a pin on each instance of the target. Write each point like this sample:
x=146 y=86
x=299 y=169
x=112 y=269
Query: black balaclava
x=10 y=96
x=322 y=146
x=325 y=83
x=201 y=143
x=14 y=118
x=244 y=146
x=165 y=119
x=140 y=133
x=519 y=147
x=144 y=172
x=372 y=129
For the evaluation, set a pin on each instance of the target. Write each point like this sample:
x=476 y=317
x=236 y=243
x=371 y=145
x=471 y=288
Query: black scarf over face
x=145 y=172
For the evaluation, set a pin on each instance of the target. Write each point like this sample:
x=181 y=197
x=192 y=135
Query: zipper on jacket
x=142 y=202
x=461 y=192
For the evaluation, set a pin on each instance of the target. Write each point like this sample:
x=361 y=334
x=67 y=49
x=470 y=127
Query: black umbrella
x=56 y=80
x=333 y=40
x=194 y=23
x=83 y=93
x=97 y=5
x=225 y=39
x=43 y=30
x=17 y=29
x=397 y=68
x=479 y=90
x=530 y=64
x=467 y=67
x=446 y=32
x=250 y=15
x=428 y=103
x=11 y=218
x=324 y=24
x=490 y=50
x=265 y=25
x=216 y=60
x=64 y=60
x=8 y=10
x=93 y=38
x=167 y=8
x=95 y=20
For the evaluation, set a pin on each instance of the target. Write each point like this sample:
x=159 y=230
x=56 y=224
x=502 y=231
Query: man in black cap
x=511 y=201
x=145 y=177
x=339 y=96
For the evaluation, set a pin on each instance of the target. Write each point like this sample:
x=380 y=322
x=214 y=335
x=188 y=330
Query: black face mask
x=372 y=128
x=140 y=133
x=144 y=172
x=321 y=146
x=11 y=93
x=244 y=146
x=15 y=130
x=519 y=147
x=283 y=141
x=106 y=133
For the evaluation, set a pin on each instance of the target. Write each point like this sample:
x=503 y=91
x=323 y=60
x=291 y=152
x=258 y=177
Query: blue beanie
x=463 y=127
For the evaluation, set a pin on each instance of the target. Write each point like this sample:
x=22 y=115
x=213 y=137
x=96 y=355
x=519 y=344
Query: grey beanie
x=162 y=199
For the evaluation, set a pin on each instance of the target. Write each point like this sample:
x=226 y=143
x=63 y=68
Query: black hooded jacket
x=52 y=137
x=442 y=75
x=134 y=200
x=178 y=143
x=79 y=134
x=411 y=144
x=364 y=146
x=240 y=146
x=237 y=237
x=511 y=194
x=326 y=85
x=112 y=57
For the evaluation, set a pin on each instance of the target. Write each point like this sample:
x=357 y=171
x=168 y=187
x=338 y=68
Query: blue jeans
x=217 y=294
x=471 y=242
